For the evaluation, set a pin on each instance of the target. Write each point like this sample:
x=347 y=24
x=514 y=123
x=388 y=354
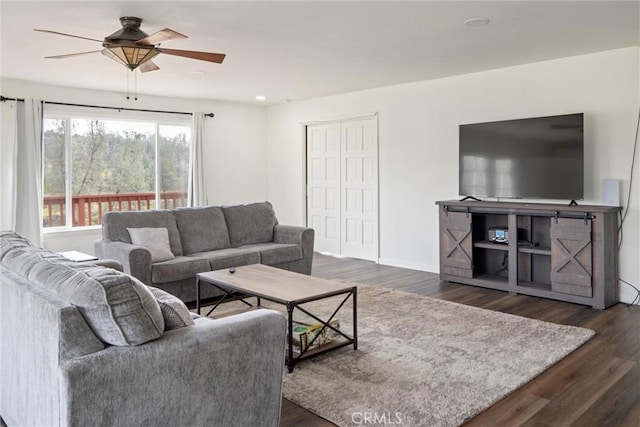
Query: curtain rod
x=4 y=98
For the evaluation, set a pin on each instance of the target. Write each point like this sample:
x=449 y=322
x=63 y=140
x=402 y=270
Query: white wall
x=418 y=142
x=255 y=154
x=234 y=146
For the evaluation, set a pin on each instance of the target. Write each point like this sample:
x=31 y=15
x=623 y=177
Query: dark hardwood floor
x=597 y=385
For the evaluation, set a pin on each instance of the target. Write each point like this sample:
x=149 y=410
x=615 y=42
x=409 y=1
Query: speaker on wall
x=611 y=192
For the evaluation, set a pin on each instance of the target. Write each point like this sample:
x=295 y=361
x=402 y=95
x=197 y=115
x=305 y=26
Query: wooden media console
x=567 y=253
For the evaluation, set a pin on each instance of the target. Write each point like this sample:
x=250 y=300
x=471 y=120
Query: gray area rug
x=425 y=362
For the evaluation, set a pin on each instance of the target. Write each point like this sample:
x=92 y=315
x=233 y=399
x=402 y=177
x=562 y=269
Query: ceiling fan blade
x=68 y=35
x=68 y=55
x=148 y=66
x=202 y=56
x=161 y=36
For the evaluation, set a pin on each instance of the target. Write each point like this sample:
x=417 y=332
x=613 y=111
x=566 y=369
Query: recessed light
x=261 y=97
x=476 y=22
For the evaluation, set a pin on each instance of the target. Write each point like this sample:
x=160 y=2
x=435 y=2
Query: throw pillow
x=115 y=224
x=175 y=313
x=154 y=239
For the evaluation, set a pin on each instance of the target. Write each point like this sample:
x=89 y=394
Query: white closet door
x=323 y=186
x=342 y=187
x=359 y=214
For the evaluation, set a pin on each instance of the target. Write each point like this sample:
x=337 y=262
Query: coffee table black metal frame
x=234 y=292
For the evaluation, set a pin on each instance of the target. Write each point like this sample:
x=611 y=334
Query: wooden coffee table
x=291 y=290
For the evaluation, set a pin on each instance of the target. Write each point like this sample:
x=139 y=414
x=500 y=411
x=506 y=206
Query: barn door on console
x=571 y=258
x=342 y=187
x=456 y=244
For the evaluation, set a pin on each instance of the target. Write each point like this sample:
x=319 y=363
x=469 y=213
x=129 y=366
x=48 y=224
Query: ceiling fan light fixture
x=133 y=48
x=132 y=56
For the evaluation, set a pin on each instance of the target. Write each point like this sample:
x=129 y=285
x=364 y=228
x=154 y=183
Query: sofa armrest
x=222 y=372
x=135 y=260
x=301 y=235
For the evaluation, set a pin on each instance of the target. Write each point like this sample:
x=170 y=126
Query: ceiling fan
x=133 y=48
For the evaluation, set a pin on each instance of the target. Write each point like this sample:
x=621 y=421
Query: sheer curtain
x=8 y=170
x=197 y=195
x=22 y=169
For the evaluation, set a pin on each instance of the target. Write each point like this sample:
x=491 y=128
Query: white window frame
x=68 y=113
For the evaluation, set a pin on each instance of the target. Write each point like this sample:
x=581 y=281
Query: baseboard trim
x=627 y=295
x=410 y=265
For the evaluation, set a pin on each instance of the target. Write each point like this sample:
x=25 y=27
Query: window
x=475 y=175
x=95 y=164
x=504 y=182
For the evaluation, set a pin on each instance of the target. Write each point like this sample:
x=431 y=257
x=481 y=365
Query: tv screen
x=538 y=158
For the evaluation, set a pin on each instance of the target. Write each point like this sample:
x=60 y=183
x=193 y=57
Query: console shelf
x=567 y=253
x=534 y=250
x=491 y=245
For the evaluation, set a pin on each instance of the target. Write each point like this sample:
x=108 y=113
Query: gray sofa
x=204 y=239
x=83 y=345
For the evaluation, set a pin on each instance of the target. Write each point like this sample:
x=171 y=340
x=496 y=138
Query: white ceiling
x=299 y=50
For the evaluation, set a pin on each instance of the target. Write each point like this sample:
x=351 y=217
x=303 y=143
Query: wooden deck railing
x=88 y=208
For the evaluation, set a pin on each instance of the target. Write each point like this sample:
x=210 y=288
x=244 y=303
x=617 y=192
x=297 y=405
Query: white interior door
x=342 y=187
x=360 y=189
x=323 y=186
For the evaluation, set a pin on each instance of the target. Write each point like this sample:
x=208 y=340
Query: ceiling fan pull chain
x=135 y=82
x=127 y=85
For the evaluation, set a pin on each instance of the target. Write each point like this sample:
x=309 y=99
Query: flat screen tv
x=534 y=158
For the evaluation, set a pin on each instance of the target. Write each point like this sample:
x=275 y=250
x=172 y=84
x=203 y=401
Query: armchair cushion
x=154 y=239
x=118 y=308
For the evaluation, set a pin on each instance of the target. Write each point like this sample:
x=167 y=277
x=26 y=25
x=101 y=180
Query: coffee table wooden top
x=275 y=284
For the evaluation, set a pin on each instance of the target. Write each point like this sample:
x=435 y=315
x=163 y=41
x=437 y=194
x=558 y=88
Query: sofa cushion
x=176 y=315
x=277 y=253
x=202 y=229
x=154 y=239
x=178 y=268
x=115 y=224
x=250 y=224
x=232 y=257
